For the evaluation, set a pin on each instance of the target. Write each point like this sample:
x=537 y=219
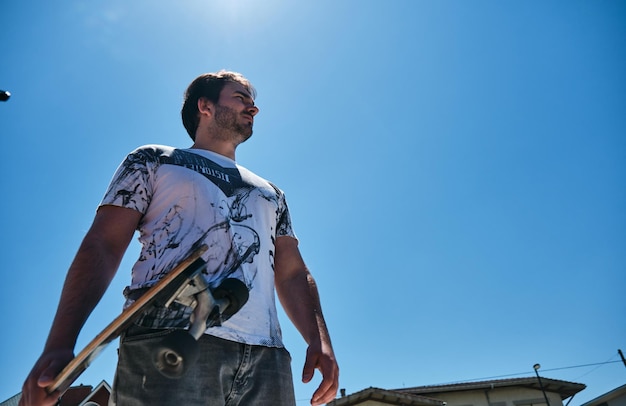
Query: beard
x=230 y=125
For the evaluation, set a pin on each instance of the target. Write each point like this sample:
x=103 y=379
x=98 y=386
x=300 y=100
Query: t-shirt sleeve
x=131 y=186
x=284 y=227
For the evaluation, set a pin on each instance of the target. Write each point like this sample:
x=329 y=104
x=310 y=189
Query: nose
x=253 y=110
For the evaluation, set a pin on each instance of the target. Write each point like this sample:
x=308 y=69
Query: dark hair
x=209 y=86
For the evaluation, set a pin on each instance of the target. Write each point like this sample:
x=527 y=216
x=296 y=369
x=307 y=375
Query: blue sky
x=455 y=170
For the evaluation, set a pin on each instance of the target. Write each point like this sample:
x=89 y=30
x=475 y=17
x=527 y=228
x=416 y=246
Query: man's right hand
x=43 y=373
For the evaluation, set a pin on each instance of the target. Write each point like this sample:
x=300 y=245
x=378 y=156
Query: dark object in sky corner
x=4 y=95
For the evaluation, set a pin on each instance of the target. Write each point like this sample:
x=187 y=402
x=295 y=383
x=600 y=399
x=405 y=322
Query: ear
x=205 y=106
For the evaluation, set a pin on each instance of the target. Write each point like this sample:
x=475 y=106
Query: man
x=178 y=199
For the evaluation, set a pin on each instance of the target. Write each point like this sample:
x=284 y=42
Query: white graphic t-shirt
x=191 y=197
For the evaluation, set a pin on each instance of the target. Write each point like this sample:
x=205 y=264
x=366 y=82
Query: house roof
x=12 y=401
x=619 y=391
x=102 y=387
x=386 y=396
x=75 y=395
x=563 y=388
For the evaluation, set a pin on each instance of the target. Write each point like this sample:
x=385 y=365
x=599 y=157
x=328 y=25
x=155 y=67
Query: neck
x=218 y=140
x=223 y=148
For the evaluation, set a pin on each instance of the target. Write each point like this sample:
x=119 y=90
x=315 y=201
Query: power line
x=543 y=370
x=582 y=366
x=599 y=365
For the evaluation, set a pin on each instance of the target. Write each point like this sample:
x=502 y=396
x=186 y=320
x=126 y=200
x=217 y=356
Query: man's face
x=235 y=110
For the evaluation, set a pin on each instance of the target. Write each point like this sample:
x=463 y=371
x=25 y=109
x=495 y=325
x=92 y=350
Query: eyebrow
x=244 y=94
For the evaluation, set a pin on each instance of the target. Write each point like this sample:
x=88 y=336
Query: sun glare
x=233 y=14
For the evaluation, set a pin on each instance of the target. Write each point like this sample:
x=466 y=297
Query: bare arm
x=88 y=277
x=299 y=297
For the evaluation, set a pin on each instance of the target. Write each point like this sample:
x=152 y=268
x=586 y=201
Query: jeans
x=227 y=374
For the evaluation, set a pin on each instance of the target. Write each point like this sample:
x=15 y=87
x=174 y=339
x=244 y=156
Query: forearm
x=299 y=297
x=91 y=272
x=87 y=279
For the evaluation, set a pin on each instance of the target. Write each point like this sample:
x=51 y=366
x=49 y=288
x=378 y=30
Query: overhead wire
x=596 y=364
